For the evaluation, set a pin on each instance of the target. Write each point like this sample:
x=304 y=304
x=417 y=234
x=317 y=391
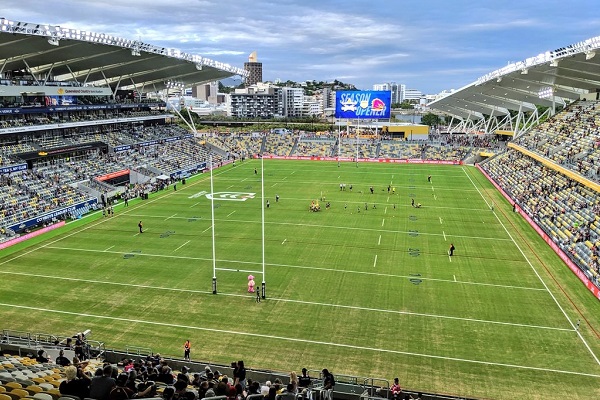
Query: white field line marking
x=244 y=179
x=110 y=247
x=375 y=262
x=295 y=340
x=432 y=189
x=284 y=240
x=382 y=222
x=284 y=178
x=339 y=176
x=293 y=172
x=229 y=215
x=538 y=275
x=145 y=230
x=229 y=187
x=336 y=227
x=210 y=226
x=337 y=271
x=449 y=258
x=440 y=220
x=181 y=246
x=385 y=211
x=388 y=199
x=434 y=197
x=170 y=217
x=454 y=278
x=275 y=184
x=379 y=241
x=444 y=233
x=195 y=204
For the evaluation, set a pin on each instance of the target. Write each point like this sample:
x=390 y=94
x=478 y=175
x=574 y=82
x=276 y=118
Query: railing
x=138 y=351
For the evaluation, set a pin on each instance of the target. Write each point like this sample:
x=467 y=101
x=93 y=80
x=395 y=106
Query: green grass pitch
x=363 y=288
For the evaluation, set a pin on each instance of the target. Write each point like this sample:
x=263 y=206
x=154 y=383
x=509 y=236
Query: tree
x=430 y=119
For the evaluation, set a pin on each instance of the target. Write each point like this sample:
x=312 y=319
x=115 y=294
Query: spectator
x=41 y=357
x=76 y=383
x=102 y=385
x=181 y=392
x=396 y=389
x=62 y=360
x=328 y=384
x=239 y=374
x=304 y=381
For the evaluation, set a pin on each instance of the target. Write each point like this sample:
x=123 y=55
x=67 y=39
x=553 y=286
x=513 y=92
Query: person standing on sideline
x=268 y=204
x=187 y=347
x=126 y=198
x=578 y=323
x=258 y=295
x=141 y=227
x=428 y=178
x=276 y=198
x=255 y=171
x=451 y=250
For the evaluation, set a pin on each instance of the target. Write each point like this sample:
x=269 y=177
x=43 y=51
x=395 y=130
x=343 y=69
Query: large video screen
x=364 y=104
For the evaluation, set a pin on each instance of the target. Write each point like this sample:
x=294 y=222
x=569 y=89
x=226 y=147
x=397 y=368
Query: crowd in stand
x=571 y=139
x=567 y=211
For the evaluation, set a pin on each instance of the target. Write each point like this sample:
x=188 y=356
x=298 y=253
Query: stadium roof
x=102 y=60
x=561 y=76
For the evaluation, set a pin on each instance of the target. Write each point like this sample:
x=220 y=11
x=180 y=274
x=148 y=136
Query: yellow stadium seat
x=13 y=385
x=20 y=392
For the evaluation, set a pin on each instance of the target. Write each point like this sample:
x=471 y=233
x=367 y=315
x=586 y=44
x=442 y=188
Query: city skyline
x=427 y=46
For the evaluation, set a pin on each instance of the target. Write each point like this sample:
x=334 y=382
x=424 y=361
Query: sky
x=430 y=45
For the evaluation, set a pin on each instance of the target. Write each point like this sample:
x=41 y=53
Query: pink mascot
x=251 y=283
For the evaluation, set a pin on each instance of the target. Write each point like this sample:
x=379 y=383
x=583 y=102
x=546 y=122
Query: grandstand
x=71 y=140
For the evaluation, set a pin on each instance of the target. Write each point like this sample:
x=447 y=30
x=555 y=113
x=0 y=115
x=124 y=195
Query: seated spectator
x=41 y=357
x=120 y=391
x=102 y=385
x=76 y=383
x=182 y=393
x=396 y=389
x=62 y=360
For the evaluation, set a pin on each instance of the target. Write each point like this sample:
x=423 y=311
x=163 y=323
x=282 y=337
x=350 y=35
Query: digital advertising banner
x=364 y=104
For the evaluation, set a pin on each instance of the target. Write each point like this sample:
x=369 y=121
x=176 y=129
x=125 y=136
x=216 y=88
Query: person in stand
x=396 y=390
x=187 y=347
x=328 y=384
x=62 y=360
x=141 y=227
x=451 y=250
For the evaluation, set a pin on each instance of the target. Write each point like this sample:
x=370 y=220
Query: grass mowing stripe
x=292 y=266
x=297 y=340
x=330 y=227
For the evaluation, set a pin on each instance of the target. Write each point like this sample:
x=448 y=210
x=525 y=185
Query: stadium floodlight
x=499 y=79
x=199 y=67
x=135 y=52
x=53 y=41
x=554 y=63
x=589 y=55
x=546 y=92
x=524 y=71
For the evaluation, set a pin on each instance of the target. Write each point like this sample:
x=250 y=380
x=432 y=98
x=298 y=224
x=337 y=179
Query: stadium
x=466 y=265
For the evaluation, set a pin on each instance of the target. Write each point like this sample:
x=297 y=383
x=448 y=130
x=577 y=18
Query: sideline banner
x=563 y=256
x=54 y=214
x=30 y=235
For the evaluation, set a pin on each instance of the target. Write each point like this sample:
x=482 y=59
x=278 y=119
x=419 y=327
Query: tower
x=254 y=68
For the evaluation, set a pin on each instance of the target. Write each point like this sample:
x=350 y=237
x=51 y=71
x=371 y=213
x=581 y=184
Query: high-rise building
x=397 y=90
x=207 y=92
x=257 y=101
x=254 y=68
x=293 y=101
